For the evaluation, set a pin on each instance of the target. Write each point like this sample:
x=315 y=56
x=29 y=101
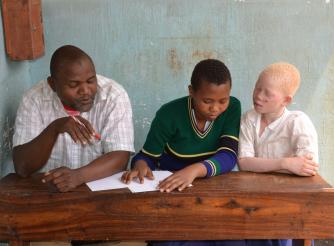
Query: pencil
x=96 y=135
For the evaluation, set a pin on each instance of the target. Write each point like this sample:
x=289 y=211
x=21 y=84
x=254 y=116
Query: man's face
x=210 y=100
x=76 y=84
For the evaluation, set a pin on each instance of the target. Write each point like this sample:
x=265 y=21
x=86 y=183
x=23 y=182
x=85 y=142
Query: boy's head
x=210 y=89
x=73 y=77
x=275 y=87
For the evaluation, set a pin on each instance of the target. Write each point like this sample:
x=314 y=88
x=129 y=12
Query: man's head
x=210 y=89
x=275 y=87
x=73 y=77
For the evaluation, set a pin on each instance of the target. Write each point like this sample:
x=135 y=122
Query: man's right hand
x=79 y=129
x=140 y=170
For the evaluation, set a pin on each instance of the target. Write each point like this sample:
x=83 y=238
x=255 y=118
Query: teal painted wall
x=151 y=47
x=14 y=79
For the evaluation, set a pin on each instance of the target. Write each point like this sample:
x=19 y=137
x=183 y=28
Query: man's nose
x=84 y=89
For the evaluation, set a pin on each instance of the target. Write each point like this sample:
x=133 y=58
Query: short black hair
x=212 y=71
x=64 y=55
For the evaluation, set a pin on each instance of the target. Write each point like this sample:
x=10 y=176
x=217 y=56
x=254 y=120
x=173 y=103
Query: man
x=77 y=126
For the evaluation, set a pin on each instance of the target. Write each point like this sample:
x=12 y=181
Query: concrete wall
x=14 y=79
x=151 y=47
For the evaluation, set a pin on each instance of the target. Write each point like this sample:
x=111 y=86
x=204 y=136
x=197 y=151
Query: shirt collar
x=273 y=125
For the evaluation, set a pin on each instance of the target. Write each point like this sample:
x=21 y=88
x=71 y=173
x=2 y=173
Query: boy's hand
x=64 y=178
x=182 y=178
x=79 y=129
x=140 y=170
x=301 y=165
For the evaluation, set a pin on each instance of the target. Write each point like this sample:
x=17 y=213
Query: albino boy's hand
x=64 y=178
x=140 y=170
x=302 y=165
x=182 y=178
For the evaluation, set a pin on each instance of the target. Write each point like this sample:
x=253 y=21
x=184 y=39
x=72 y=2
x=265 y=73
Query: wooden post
x=22 y=20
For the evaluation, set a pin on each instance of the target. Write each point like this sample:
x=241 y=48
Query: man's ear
x=52 y=83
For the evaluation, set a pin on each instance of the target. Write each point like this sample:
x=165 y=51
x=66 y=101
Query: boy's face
x=210 y=100
x=268 y=96
x=76 y=85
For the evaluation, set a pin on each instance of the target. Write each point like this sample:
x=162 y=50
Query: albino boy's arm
x=260 y=165
x=300 y=165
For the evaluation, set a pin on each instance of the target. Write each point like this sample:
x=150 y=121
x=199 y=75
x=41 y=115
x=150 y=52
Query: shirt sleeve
x=305 y=138
x=151 y=162
x=28 y=122
x=118 y=127
x=246 y=137
x=160 y=133
x=226 y=157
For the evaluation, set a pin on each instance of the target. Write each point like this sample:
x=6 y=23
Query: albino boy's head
x=285 y=75
x=275 y=88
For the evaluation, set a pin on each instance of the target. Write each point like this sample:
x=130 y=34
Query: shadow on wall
x=321 y=104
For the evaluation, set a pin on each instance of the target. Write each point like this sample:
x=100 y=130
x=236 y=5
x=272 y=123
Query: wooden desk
x=232 y=206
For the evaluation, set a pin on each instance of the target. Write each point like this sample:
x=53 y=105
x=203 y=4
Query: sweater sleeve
x=151 y=162
x=226 y=156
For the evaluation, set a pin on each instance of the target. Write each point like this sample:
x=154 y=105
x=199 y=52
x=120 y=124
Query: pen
x=96 y=135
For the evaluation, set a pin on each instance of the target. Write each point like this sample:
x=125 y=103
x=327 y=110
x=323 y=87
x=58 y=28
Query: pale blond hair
x=286 y=74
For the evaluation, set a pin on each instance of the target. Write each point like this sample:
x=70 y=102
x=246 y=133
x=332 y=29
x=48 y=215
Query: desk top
x=231 y=206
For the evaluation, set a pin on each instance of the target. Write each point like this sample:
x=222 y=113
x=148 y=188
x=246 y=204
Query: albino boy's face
x=268 y=97
x=210 y=100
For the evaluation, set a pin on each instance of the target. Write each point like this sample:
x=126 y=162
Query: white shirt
x=110 y=116
x=293 y=134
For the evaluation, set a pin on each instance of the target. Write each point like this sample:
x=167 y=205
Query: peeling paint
x=173 y=60
x=202 y=54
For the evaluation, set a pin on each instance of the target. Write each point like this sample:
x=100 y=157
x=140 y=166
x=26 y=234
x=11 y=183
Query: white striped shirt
x=110 y=116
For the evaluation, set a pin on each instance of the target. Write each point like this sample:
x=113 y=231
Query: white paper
x=108 y=183
x=114 y=182
x=149 y=185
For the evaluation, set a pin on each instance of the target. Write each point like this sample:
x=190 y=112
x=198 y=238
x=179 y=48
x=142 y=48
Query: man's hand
x=301 y=165
x=182 y=178
x=140 y=170
x=79 y=129
x=64 y=178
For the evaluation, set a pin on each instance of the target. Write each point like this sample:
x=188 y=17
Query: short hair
x=212 y=71
x=286 y=74
x=64 y=55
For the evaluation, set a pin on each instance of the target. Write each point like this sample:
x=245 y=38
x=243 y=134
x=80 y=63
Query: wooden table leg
x=18 y=243
x=302 y=242
x=307 y=242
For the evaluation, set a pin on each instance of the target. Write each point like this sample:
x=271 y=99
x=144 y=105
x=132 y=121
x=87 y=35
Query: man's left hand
x=64 y=178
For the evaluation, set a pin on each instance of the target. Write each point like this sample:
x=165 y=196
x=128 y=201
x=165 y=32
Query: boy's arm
x=261 y=165
x=301 y=165
x=227 y=154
